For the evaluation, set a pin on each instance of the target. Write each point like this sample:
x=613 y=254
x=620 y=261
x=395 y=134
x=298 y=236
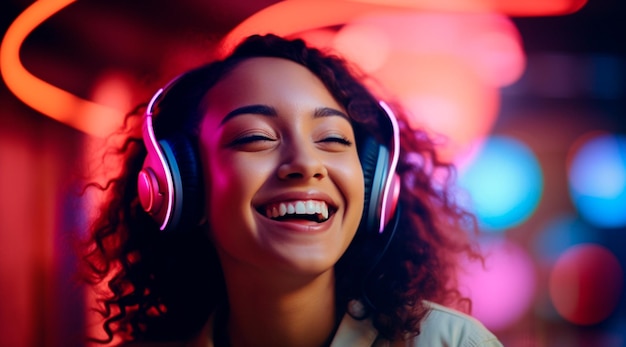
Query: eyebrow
x=270 y=111
x=328 y=111
x=263 y=110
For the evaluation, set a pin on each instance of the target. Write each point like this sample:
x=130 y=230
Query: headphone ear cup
x=370 y=156
x=181 y=155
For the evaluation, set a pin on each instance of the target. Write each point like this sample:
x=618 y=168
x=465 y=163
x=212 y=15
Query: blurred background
x=528 y=98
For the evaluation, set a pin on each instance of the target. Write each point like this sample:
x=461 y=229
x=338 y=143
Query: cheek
x=233 y=181
x=356 y=180
x=225 y=200
x=227 y=182
x=349 y=177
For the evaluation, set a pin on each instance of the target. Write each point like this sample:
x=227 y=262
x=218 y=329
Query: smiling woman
x=302 y=152
x=273 y=201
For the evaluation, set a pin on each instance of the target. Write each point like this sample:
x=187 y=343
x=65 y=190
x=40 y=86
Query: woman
x=274 y=202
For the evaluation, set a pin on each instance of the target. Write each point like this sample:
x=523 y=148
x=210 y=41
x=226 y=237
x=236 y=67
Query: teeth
x=300 y=209
x=305 y=207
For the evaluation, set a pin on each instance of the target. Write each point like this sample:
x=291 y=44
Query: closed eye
x=339 y=140
x=250 y=139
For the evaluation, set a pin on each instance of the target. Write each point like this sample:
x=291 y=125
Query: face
x=284 y=183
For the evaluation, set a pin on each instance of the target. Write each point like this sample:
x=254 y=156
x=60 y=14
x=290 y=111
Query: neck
x=280 y=310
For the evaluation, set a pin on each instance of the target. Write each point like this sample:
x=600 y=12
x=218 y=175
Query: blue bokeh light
x=597 y=180
x=504 y=183
x=559 y=234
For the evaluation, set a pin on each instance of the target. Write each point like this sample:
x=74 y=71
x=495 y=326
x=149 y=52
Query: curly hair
x=164 y=286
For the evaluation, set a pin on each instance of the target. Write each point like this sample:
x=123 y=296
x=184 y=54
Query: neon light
x=286 y=18
x=395 y=155
x=291 y=17
x=365 y=45
x=84 y=115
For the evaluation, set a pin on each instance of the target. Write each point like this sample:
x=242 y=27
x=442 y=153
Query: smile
x=309 y=210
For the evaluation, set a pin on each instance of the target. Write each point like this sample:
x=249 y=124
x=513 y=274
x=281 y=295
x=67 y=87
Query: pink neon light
x=153 y=100
x=394 y=161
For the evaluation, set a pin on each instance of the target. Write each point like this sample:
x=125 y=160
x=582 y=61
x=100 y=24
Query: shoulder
x=444 y=326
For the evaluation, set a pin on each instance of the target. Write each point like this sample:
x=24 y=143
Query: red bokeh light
x=586 y=284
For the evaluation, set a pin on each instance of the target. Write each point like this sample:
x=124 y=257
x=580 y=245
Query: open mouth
x=303 y=210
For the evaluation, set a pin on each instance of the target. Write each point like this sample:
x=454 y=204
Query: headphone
x=169 y=185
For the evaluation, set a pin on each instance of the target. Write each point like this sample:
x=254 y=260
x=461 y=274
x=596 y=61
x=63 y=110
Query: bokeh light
x=559 y=234
x=503 y=290
x=597 y=179
x=487 y=43
x=437 y=44
x=444 y=68
x=114 y=89
x=444 y=97
x=504 y=181
x=586 y=284
x=364 y=45
x=607 y=80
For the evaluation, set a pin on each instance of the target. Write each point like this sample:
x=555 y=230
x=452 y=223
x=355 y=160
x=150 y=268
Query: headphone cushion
x=187 y=176
x=369 y=155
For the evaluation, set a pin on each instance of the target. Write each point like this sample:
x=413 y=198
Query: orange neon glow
x=294 y=16
x=84 y=115
x=365 y=45
x=286 y=18
x=322 y=38
x=289 y=17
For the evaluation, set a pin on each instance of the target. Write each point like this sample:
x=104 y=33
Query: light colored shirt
x=442 y=327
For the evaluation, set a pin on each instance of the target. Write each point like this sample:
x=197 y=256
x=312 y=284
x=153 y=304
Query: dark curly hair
x=154 y=290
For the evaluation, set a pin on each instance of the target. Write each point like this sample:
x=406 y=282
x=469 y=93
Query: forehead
x=264 y=80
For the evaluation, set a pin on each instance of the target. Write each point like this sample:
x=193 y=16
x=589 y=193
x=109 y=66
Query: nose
x=301 y=162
